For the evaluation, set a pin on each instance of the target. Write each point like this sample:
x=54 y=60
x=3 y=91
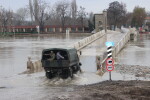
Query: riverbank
x=109 y=90
x=135 y=89
x=36 y=34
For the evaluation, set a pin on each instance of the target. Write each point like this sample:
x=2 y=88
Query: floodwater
x=15 y=51
x=136 y=52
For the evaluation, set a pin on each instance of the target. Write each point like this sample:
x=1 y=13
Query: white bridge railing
x=86 y=41
x=121 y=44
x=123 y=41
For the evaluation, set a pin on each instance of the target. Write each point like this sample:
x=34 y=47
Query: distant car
x=63 y=67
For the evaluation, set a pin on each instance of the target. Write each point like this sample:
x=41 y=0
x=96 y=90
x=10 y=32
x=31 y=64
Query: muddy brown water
x=136 y=52
x=15 y=51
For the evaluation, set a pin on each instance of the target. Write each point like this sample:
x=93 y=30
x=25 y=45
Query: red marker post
x=109 y=61
x=110 y=66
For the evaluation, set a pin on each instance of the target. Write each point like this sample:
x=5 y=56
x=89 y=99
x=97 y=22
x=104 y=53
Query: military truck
x=65 y=67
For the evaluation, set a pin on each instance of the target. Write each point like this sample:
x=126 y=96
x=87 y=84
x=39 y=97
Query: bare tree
x=20 y=16
x=91 y=21
x=128 y=19
x=62 y=8
x=31 y=10
x=40 y=11
x=5 y=19
x=116 y=13
x=82 y=15
x=74 y=11
x=139 y=15
x=54 y=18
x=148 y=13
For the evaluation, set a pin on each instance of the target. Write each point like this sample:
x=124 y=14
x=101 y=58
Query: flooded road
x=15 y=51
x=136 y=52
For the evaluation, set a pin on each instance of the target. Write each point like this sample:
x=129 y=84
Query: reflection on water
x=15 y=51
x=137 y=52
x=14 y=54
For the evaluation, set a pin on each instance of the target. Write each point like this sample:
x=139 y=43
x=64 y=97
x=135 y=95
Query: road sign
x=110 y=62
x=109 y=44
x=109 y=52
x=110 y=67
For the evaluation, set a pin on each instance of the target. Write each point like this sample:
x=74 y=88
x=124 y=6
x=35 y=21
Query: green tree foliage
x=138 y=16
x=116 y=13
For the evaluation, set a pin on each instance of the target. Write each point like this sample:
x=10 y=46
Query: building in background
x=146 y=25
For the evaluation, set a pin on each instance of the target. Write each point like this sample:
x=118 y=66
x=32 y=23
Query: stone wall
x=100 y=21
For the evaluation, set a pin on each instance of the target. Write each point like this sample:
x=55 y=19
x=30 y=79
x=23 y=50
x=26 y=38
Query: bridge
x=120 y=38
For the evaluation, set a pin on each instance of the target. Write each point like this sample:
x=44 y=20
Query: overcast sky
x=95 y=6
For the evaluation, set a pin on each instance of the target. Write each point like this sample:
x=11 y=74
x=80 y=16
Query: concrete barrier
x=121 y=44
x=86 y=41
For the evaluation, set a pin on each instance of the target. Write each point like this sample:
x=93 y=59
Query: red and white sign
x=109 y=61
x=110 y=64
x=110 y=67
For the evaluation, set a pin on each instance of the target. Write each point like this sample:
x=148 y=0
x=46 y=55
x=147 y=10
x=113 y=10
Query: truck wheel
x=65 y=74
x=75 y=69
x=79 y=69
x=71 y=72
x=49 y=75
